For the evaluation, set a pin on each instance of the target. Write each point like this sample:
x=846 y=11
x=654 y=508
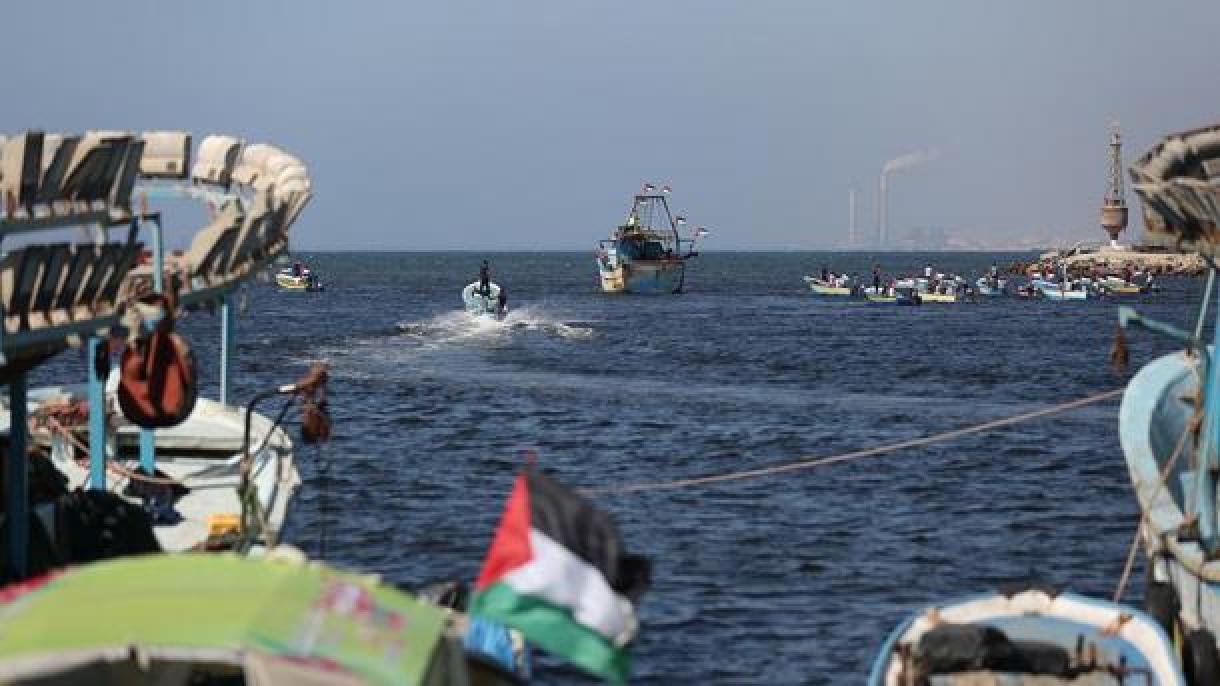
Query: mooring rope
x=811 y=462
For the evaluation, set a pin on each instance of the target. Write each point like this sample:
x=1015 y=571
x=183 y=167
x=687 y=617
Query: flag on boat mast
x=558 y=571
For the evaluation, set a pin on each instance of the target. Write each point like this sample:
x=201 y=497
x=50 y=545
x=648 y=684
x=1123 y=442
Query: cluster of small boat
x=1169 y=427
x=952 y=288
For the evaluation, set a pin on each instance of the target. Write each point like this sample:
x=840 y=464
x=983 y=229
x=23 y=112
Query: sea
x=794 y=578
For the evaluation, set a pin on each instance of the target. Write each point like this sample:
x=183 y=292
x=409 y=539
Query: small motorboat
x=298 y=277
x=835 y=287
x=480 y=303
x=897 y=296
x=990 y=288
x=1030 y=637
x=950 y=297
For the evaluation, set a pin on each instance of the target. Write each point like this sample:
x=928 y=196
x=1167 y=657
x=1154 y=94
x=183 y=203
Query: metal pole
x=18 y=477
x=1207 y=294
x=228 y=325
x=158 y=256
x=97 y=419
x=148 y=439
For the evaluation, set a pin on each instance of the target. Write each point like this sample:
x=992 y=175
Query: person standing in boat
x=485 y=279
x=502 y=301
x=876 y=279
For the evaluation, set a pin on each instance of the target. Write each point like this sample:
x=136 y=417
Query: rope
x=111 y=465
x=809 y=463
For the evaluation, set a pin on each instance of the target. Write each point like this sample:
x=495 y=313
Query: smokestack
x=911 y=159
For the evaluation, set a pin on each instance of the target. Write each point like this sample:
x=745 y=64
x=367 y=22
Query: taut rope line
x=857 y=454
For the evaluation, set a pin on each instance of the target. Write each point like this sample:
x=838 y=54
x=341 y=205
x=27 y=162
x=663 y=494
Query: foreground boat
x=1032 y=637
x=200 y=505
x=102 y=295
x=1169 y=421
x=645 y=254
x=177 y=620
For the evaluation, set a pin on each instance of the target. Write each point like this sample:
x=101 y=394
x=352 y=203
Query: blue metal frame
x=97 y=419
x=148 y=439
x=17 y=476
x=228 y=328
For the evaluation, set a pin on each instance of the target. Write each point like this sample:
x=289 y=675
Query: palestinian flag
x=558 y=571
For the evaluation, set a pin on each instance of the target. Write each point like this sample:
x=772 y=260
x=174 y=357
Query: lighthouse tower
x=1114 y=206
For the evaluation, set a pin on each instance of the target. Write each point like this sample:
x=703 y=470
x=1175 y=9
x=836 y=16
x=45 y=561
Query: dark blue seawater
x=787 y=579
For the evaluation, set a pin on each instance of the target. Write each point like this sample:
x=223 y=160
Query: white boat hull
x=203 y=454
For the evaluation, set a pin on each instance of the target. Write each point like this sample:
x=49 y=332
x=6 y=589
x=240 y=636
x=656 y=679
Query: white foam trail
x=911 y=159
x=458 y=326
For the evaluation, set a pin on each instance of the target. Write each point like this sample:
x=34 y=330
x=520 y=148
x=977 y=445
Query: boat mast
x=673 y=225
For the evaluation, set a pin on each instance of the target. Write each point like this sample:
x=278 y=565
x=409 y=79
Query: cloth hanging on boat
x=157 y=387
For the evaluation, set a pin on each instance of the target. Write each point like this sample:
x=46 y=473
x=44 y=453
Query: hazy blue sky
x=528 y=125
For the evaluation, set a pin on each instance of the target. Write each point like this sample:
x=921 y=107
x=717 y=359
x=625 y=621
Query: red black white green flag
x=559 y=572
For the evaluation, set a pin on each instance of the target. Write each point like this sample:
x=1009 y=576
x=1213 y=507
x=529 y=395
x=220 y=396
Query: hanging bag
x=157 y=385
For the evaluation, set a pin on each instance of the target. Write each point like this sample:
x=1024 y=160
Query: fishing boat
x=645 y=254
x=205 y=472
x=1030 y=637
x=897 y=296
x=1059 y=291
x=1169 y=420
x=950 y=297
x=194 y=496
x=484 y=304
x=990 y=288
x=298 y=277
x=186 y=619
x=835 y=287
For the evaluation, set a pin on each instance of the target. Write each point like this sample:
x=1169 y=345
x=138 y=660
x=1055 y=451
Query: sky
x=523 y=125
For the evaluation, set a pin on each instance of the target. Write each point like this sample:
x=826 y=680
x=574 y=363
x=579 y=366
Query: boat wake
x=458 y=327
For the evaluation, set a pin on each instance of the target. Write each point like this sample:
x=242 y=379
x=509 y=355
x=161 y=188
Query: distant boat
x=1059 y=291
x=645 y=254
x=825 y=287
x=1030 y=637
x=938 y=297
x=298 y=277
x=481 y=304
x=899 y=296
x=990 y=288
